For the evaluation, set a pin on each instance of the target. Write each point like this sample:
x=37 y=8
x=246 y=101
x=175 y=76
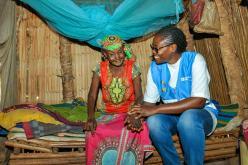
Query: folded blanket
x=36 y=129
x=11 y=118
x=74 y=113
x=22 y=136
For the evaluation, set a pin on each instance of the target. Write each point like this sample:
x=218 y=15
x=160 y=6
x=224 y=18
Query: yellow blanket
x=11 y=118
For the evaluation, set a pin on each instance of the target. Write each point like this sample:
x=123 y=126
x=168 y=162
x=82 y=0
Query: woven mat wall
x=39 y=64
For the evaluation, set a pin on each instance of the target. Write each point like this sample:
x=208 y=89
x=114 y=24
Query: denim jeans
x=192 y=126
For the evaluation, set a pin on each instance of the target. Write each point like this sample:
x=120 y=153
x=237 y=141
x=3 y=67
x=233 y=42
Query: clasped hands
x=133 y=121
x=135 y=118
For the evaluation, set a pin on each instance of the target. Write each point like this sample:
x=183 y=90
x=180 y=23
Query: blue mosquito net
x=90 y=22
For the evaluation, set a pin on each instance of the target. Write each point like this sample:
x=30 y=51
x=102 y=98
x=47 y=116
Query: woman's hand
x=133 y=124
x=91 y=125
x=142 y=111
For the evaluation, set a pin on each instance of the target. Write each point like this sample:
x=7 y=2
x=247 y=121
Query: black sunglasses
x=157 y=49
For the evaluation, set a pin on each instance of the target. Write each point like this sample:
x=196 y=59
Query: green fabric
x=226 y=113
x=73 y=112
x=113 y=47
x=111 y=42
x=114 y=42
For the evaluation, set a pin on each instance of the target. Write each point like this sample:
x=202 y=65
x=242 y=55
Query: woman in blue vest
x=179 y=79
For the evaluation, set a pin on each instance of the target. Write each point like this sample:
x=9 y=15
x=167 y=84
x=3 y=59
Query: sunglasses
x=157 y=49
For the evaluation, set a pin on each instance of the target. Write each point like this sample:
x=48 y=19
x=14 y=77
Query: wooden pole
x=47 y=155
x=28 y=147
x=66 y=69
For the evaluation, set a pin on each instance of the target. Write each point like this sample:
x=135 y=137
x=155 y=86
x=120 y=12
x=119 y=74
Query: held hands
x=136 y=116
x=91 y=125
x=141 y=111
x=133 y=124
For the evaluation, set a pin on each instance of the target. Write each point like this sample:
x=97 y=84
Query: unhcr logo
x=185 y=78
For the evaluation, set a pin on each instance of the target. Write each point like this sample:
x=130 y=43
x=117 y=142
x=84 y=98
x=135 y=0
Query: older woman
x=110 y=142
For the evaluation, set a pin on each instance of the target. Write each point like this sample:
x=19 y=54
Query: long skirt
x=113 y=144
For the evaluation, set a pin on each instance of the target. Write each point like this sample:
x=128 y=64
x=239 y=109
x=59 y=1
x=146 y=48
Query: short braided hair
x=173 y=35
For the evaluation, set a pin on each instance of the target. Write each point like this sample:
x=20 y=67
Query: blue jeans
x=191 y=126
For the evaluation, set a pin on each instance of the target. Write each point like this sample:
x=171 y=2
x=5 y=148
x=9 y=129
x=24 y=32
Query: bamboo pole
x=66 y=69
x=33 y=142
x=66 y=144
x=221 y=146
x=57 y=161
x=24 y=146
x=221 y=140
x=219 y=152
x=46 y=155
x=220 y=157
x=47 y=143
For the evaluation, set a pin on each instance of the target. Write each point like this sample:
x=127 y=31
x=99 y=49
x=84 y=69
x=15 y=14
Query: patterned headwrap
x=113 y=42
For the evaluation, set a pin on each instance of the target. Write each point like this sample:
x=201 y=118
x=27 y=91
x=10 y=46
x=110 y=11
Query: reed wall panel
x=39 y=63
x=209 y=48
x=239 y=21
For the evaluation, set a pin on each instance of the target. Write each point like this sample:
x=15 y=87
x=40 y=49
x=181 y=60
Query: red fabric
x=245 y=130
x=28 y=130
x=196 y=12
x=106 y=79
x=112 y=136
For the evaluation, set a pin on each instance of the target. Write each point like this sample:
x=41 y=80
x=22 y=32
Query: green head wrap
x=113 y=42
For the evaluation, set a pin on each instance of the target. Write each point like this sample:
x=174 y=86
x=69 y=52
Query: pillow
x=226 y=113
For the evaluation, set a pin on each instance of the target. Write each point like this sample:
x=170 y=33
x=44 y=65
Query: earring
x=127 y=50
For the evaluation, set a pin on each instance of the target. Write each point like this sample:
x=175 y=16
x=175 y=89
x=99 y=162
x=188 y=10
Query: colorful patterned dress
x=112 y=143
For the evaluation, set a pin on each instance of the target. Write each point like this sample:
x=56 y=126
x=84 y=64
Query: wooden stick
x=34 y=141
x=49 y=144
x=220 y=156
x=24 y=146
x=221 y=145
x=79 y=144
x=153 y=160
x=218 y=152
x=46 y=155
x=58 y=161
x=221 y=140
x=233 y=134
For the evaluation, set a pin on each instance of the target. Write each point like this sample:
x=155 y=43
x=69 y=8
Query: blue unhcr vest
x=161 y=77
